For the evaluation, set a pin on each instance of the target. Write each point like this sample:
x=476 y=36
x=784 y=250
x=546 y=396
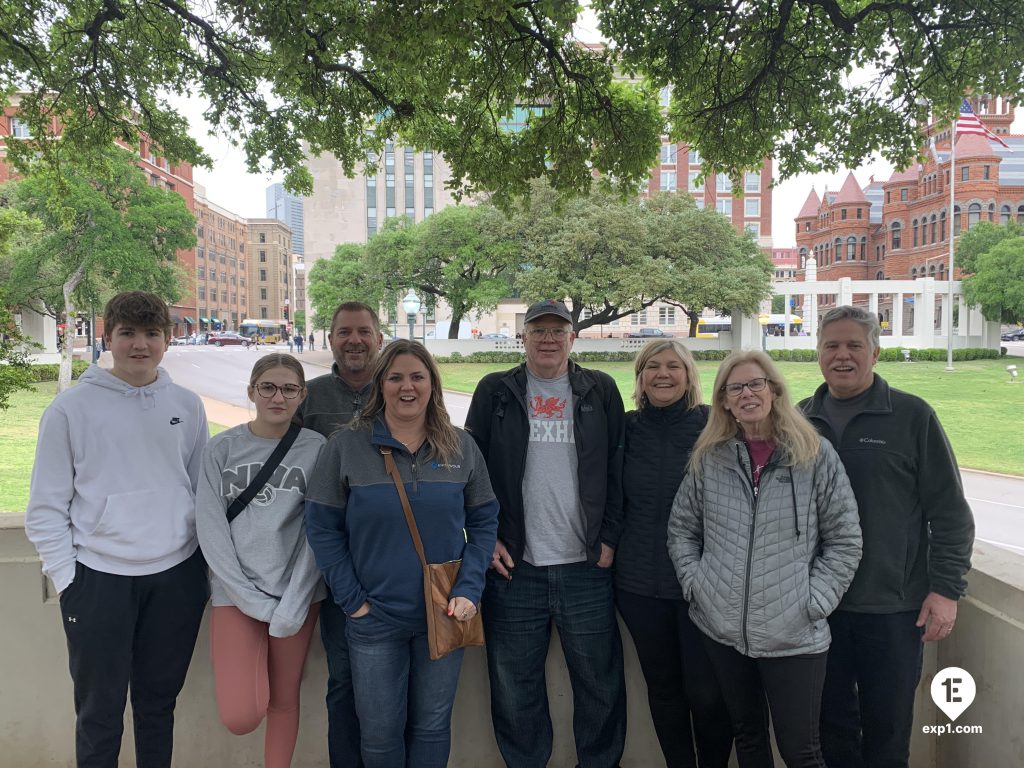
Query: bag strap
x=242 y=500
x=392 y=468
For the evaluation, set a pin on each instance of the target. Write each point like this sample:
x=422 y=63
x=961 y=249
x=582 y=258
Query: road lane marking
x=997 y=503
x=1003 y=544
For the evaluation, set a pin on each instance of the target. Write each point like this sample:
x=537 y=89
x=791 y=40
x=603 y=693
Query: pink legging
x=257 y=676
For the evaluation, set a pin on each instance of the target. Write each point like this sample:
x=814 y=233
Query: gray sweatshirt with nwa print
x=260 y=563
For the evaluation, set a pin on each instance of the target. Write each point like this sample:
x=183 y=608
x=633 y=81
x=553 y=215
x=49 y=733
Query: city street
x=222 y=374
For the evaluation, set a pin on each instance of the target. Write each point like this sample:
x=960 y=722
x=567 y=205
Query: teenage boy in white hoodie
x=112 y=514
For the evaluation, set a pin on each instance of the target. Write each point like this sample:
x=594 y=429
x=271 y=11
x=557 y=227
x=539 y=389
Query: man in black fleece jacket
x=918 y=535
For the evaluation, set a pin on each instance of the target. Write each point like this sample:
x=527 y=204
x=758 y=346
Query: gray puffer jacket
x=763 y=571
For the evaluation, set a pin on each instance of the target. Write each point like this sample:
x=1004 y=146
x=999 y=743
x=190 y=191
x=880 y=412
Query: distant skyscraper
x=286 y=207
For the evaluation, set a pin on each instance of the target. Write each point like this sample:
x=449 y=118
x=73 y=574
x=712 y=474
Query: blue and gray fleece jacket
x=357 y=529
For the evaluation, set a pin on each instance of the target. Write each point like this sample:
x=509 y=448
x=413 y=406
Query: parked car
x=227 y=338
x=179 y=341
x=1017 y=334
x=492 y=336
x=649 y=333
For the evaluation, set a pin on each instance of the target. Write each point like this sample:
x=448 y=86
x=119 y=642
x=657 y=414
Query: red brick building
x=160 y=172
x=679 y=169
x=899 y=229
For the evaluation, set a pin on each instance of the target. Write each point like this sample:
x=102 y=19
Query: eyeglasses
x=555 y=333
x=736 y=388
x=268 y=390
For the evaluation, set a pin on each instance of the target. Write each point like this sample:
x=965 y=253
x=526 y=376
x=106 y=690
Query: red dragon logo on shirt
x=552 y=407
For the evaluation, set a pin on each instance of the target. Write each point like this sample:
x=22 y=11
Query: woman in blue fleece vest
x=361 y=541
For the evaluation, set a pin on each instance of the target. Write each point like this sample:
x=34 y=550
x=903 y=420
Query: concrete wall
x=37 y=718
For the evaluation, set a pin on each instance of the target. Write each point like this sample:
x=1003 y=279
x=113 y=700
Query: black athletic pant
x=680 y=682
x=137 y=632
x=792 y=685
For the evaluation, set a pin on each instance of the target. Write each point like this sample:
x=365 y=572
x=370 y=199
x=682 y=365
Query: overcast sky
x=230 y=186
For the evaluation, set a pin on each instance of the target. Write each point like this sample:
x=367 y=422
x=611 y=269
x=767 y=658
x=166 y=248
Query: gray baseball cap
x=548 y=307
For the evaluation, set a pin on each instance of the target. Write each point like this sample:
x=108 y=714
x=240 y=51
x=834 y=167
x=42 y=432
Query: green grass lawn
x=19 y=425
x=980 y=410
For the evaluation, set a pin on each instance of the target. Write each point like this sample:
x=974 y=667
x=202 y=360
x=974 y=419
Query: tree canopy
x=993 y=258
x=104 y=229
x=503 y=88
x=610 y=257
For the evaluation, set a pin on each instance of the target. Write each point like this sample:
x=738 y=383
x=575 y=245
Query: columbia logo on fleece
x=435 y=465
x=873 y=440
x=175 y=420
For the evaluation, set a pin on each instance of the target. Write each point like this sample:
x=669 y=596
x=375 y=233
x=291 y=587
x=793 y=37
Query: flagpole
x=952 y=230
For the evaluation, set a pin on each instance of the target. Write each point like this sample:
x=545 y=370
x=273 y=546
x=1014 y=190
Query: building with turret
x=899 y=229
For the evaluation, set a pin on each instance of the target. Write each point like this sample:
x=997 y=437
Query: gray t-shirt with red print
x=551 y=496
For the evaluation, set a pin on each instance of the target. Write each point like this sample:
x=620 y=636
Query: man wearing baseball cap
x=552 y=435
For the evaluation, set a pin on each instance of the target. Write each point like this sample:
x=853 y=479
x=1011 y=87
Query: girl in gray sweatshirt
x=265 y=584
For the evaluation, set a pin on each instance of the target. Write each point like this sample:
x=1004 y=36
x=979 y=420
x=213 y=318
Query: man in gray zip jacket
x=332 y=401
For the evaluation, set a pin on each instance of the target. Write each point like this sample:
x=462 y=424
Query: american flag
x=968 y=122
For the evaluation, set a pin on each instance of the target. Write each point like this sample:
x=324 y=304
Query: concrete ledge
x=37 y=717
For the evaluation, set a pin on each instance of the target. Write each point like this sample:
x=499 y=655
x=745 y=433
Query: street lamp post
x=411 y=305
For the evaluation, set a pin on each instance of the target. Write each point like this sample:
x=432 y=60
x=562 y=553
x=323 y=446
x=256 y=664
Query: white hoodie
x=114 y=480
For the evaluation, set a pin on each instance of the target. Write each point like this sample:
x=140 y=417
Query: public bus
x=775 y=324
x=270 y=331
x=710 y=327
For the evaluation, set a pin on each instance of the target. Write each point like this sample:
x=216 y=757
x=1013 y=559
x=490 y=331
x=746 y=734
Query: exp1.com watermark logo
x=953 y=691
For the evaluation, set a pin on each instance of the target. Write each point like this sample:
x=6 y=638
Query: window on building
x=842 y=214
x=700 y=202
x=19 y=129
x=669 y=153
x=224 y=297
x=665 y=96
x=934 y=223
x=263 y=275
x=956 y=220
x=965 y=173
x=201 y=272
x=942 y=225
x=213 y=274
x=904 y=194
x=752 y=181
x=201 y=291
x=896 y=232
x=991 y=211
x=860 y=211
x=262 y=238
x=851 y=248
x=638 y=318
x=696 y=183
x=751 y=207
x=723 y=183
x=668 y=181
x=695 y=158
x=986 y=172
x=263 y=313
x=666 y=315
x=263 y=294
x=753 y=227
x=428 y=182
x=973 y=214
x=1020 y=214
x=724 y=205
x=879 y=275
x=1004 y=215
x=913 y=227
x=863 y=248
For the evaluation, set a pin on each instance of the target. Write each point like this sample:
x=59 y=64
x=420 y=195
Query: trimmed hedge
x=51 y=371
x=888 y=355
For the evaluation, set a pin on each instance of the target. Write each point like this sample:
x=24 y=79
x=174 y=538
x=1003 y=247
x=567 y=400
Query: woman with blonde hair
x=765 y=539
x=359 y=534
x=681 y=685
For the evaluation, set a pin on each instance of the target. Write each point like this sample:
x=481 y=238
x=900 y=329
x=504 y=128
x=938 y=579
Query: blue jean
x=342 y=723
x=517 y=618
x=867 y=707
x=403 y=699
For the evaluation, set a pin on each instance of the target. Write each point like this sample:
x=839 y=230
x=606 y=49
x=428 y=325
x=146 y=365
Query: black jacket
x=918 y=527
x=657 y=449
x=498 y=421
